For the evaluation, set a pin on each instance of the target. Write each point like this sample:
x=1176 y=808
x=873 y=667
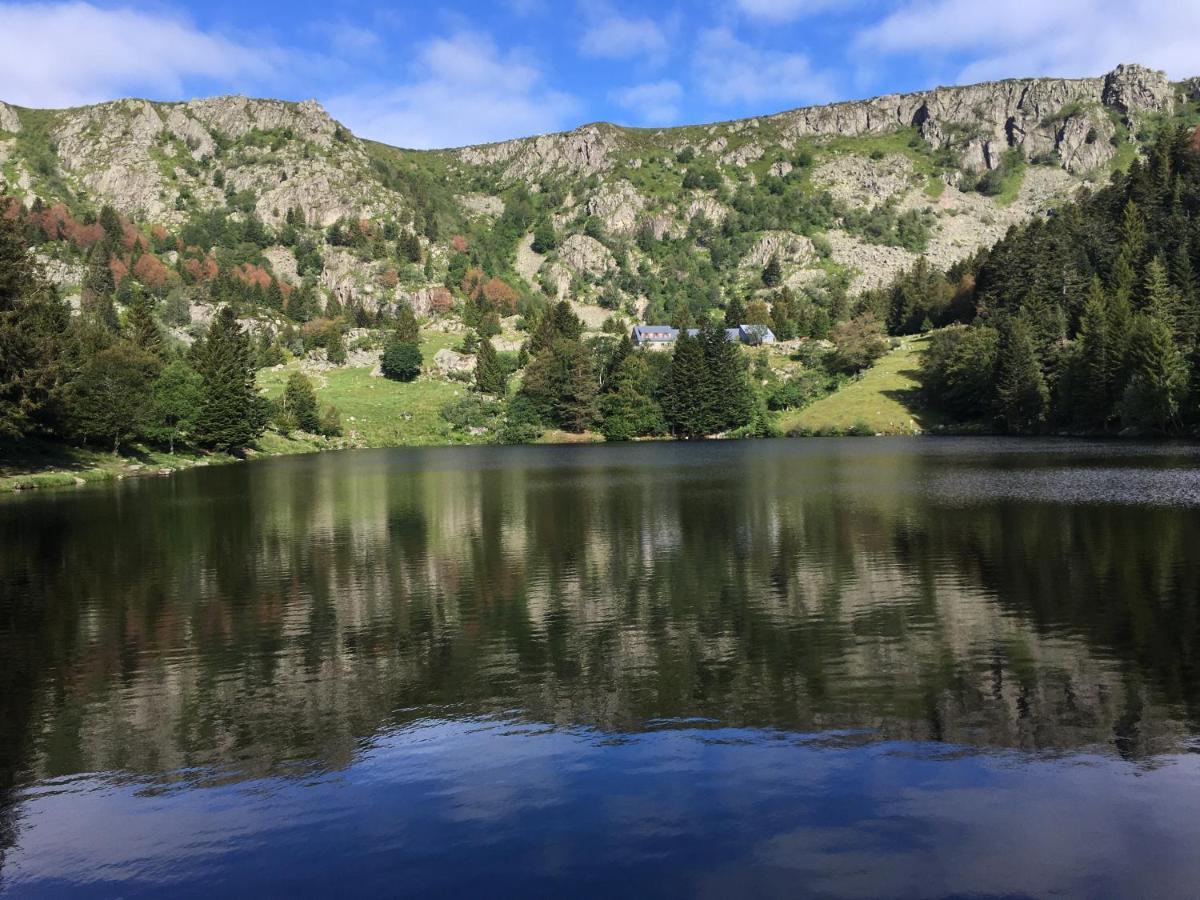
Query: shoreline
x=96 y=467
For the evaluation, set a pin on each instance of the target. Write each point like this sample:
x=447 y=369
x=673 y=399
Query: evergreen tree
x=489 y=373
x=544 y=238
x=1020 y=385
x=407 y=329
x=1157 y=377
x=300 y=403
x=561 y=383
x=629 y=410
x=683 y=389
x=735 y=312
x=231 y=413
x=772 y=275
x=33 y=337
x=141 y=329
x=1094 y=354
x=727 y=395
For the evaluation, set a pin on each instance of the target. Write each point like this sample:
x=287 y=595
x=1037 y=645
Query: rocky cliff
x=889 y=178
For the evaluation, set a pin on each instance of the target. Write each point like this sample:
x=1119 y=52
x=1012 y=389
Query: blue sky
x=429 y=74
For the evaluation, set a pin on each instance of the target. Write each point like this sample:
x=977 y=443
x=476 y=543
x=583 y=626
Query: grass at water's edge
x=377 y=412
x=882 y=400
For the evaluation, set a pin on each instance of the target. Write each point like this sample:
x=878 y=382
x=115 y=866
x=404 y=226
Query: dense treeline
x=101 y=378
x=1085 y=321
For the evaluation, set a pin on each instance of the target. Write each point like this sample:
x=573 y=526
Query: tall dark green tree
x=1020 y=385
x=232 y=414
x=33 y=334
x=489 y=372
x=684 y=388
x=1157 y=377
x=141 y=328
x=1093 y=356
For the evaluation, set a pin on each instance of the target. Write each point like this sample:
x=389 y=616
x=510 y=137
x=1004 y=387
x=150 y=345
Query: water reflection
x=265 y=620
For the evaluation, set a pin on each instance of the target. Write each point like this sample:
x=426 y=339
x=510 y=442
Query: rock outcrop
x=587 y=255
x=9 y=120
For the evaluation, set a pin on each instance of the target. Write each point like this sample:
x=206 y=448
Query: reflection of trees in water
x=249 y=617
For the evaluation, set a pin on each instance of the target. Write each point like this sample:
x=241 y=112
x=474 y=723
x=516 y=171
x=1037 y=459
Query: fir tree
x=628 y=410
x=33 y=335
x=772 y=275
x=1094 y=357
x=231 y=413
x=406 y=329
x=735 y=312
x=683 y=390
x=141 y=328
x=1020 y=385
x=1157 y=377
x=489 y=373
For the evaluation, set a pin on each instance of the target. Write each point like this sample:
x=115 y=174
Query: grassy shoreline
x=377 y=413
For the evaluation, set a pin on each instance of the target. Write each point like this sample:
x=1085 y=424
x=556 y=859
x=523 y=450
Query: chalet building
x=663 y=337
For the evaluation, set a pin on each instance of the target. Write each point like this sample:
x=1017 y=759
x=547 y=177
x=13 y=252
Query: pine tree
x=1157 y=377
x=1094 y=355
x=141 y=329
x=489 y=373
x=728 y=398
x=772 y=275
x=683 y=389
x=231 y=413
x=33 y=334
x=407 y=329
x=735 y=312
x=1020 y=385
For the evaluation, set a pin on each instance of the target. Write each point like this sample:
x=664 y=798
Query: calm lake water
x=845 y=668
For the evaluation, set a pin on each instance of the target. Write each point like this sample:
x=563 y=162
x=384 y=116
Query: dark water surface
x=849 y=668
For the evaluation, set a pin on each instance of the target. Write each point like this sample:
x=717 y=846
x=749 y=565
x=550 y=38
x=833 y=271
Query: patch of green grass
x=377 y=412
x=883 y=400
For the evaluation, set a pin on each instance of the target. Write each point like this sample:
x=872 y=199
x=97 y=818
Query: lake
x=826 y=667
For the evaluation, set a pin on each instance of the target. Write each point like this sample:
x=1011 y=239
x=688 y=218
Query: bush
x=401 y=361
x=470 y=411
x=522 y=425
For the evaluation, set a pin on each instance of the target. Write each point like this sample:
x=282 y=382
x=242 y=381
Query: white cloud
x=731 y=71
x=611 y=36
x=788 y=10
x=67 y=54
x=1036 y=37
x=468 y=92
x=654 y=103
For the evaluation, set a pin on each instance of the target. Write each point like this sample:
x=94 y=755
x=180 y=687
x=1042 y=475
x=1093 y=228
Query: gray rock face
x=583 y=151
x=619 y=206
x=8 y=119
x=792 y=249
x=983 y=120
x=587 y=255
x=1134 y=89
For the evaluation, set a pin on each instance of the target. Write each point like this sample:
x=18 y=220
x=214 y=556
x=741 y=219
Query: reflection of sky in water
x=681 y=812
x=764 y=663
